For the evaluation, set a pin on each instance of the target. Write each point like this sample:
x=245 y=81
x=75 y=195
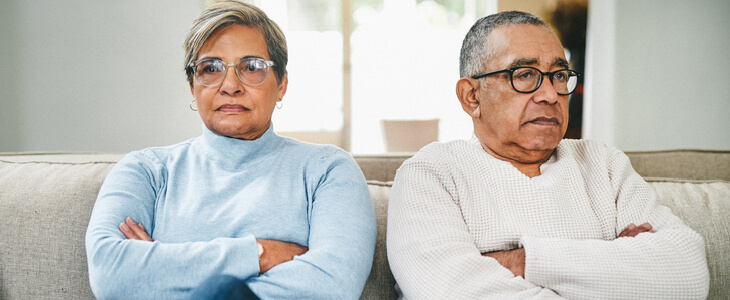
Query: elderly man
x=517 y=213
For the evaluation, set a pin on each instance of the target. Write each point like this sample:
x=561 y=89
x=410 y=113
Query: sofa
x=46 y=200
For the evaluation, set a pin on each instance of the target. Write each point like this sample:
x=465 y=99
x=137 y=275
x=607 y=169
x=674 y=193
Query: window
x=404 y=66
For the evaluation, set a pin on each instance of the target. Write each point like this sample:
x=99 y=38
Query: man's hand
x=513 y=260
x=632 y=230
x=276 y=252
x=134 y=231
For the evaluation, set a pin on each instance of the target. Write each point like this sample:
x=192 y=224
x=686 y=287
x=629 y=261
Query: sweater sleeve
x=667 y=264
x=341 y=238
x=430 y=250
x=132 y=269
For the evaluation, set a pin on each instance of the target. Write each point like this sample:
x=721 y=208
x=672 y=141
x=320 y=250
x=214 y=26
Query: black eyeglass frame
x=539 y=82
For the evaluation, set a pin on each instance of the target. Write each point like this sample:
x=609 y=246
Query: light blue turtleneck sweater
x=206 y=201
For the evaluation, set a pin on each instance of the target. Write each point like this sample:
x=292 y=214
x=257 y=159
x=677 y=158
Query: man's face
x=517 y=126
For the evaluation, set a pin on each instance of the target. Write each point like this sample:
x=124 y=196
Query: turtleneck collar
x=233 y=152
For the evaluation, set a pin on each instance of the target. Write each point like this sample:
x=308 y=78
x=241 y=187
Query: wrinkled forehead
x=526 y=45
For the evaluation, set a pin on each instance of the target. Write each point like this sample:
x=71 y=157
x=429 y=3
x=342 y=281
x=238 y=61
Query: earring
x=193 y=106
x=279 y=104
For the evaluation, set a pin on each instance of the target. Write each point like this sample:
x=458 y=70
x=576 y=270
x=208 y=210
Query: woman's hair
x=476 y=49
x=225 y=13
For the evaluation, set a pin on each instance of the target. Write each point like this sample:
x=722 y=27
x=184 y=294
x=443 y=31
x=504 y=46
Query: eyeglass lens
x=251 y=71
x=528 y=80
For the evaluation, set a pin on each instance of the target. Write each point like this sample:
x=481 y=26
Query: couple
x=240 y=212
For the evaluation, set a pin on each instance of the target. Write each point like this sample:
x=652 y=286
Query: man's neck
x=527 y=164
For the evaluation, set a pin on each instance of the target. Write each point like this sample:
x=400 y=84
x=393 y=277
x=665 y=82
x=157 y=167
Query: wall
x=659 y=74
x=90 y=75
x=9 y=137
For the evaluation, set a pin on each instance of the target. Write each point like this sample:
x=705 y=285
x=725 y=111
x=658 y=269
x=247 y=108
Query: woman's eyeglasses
x=250 y=71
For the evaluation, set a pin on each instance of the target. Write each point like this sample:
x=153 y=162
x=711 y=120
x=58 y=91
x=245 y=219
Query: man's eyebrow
x=521 y=62
x=561 y=62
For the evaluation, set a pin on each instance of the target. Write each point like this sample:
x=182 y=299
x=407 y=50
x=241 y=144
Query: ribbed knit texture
x=453 y=201
x=207 y=200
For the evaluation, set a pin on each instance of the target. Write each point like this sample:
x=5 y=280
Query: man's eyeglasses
x=250 y=71
x=528 y=79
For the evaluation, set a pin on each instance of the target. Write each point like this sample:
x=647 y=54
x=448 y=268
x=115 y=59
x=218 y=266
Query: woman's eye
x=210 y=68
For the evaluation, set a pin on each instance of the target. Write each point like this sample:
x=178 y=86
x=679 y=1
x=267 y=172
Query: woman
x=285 y=219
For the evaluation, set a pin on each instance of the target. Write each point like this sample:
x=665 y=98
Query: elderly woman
x=285 y=218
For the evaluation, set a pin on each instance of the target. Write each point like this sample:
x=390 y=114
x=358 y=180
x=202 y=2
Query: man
x=516 y=212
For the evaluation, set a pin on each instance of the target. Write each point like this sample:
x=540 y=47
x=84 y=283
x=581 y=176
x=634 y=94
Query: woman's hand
x=276 y=252
x=134 y=231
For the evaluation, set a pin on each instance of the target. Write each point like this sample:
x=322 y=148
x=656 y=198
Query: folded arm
x=668 y=262
x=341 y=239
x=430 y=249
x=118 y=265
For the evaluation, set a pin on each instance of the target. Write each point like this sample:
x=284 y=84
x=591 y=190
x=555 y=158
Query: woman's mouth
x=232 y=108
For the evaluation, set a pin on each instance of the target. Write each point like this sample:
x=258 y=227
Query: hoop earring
x=279 y=104
x=193 y=106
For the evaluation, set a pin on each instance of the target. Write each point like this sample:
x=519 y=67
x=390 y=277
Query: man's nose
x=546 y=92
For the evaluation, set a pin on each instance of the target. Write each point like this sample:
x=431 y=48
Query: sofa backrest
x=46 y=201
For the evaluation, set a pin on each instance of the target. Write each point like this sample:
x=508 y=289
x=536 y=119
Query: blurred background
x=370 y=76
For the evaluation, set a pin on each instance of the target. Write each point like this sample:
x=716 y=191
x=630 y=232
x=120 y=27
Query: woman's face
x=232 y=108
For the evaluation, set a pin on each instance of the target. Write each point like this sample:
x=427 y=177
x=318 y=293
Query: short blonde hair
x=225 y=13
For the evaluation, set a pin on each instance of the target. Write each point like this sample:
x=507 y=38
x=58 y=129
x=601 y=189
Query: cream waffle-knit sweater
x=453 y=201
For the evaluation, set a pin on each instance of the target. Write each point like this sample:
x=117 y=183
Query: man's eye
x=560 y=76
x=525 y=75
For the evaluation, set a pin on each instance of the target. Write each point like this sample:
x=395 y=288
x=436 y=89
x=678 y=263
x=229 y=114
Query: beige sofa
x=46 y=200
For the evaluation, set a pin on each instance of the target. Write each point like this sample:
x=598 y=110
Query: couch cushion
x=380 y=284
x=45 y=207
x=703 y=205
x=686 y=164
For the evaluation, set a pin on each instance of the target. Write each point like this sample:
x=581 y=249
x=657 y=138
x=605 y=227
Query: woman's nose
x=231 y=85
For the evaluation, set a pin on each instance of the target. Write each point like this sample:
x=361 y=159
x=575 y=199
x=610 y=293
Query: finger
x=127 y=232
x=636 y=230
x=645 y=227
x=139 y=233
x=626 y=230
x=145 y=236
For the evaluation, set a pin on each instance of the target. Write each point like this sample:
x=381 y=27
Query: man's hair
x=226 y=13
x=476 y=49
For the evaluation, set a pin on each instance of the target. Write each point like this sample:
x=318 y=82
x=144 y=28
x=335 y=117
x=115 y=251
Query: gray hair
x=476 y=49
x=225 y=13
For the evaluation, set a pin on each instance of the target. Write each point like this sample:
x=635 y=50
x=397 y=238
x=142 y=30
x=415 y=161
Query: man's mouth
x=232 y=108
x=545 y=121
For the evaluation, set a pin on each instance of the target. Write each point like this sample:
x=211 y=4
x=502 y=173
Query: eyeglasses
x=528 y=79
x=250 y=71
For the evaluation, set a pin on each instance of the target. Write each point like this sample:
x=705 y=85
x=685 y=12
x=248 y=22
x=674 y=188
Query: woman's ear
x=283 y=85
x=466 y=91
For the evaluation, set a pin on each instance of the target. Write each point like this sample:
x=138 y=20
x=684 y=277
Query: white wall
x=658 y=74
x=88 y=75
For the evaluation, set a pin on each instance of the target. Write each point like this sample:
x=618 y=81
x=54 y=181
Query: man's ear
x=466 y=91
